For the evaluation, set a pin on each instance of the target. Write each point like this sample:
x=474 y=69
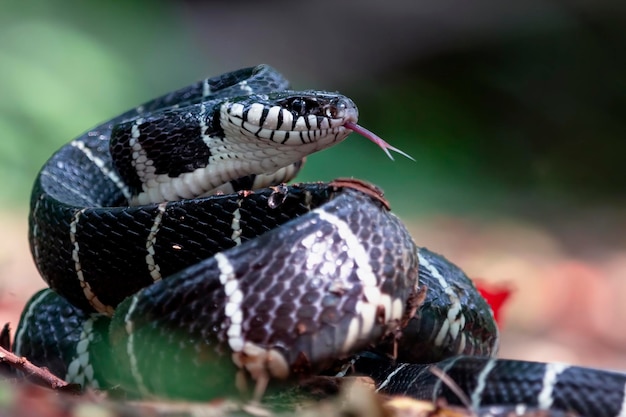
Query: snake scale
x=181 y=265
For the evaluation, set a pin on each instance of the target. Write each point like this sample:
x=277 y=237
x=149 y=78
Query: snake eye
x=336 y=108
x=299 y=107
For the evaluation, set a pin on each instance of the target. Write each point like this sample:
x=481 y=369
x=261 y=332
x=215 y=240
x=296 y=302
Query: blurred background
x=514 y=112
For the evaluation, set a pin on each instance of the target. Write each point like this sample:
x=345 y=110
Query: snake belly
x=190 y=296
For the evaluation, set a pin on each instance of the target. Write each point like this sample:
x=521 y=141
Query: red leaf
x=496 y=295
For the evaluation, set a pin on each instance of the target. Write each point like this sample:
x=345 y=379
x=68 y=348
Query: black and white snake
x=169 y=276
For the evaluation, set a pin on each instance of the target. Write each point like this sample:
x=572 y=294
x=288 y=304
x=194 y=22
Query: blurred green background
x=513 y=108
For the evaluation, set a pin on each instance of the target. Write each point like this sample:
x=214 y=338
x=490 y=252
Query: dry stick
x=40 y=375
x=454 y=387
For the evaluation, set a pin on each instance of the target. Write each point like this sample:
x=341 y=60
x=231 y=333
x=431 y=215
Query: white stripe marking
x=143 y=165
x=109 y=173
x=35 y=230
x=286 y=126
x=462 y=344
x=352 y=336
x=235 y=225
x=355 y=249
x=130 y=348
x=87 y=290
x=255 y=111
x=153 y=267
x=391 y=375
x=300 y=124
x=347 y=367
x=481 y=382
x=550 y=378
x=271 y=121
x=455 y=320
x=80 y=370
x=233 y=308
x=32 y=306
x=369 y=306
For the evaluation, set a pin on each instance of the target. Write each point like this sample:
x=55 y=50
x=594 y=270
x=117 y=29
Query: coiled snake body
x=170 y=277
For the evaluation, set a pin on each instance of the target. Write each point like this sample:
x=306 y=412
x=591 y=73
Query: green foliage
x=59 y=76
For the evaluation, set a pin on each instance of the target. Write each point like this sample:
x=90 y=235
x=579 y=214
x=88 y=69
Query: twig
x=454 y=387
x=39 y=375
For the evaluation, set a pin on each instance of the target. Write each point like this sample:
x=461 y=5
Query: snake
x=181 y=264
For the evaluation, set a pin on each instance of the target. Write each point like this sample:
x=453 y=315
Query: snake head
x=296 y=122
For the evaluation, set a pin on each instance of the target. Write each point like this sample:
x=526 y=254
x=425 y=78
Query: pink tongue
x=376 y=139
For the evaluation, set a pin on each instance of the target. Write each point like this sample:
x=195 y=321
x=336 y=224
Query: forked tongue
x=376 y=139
